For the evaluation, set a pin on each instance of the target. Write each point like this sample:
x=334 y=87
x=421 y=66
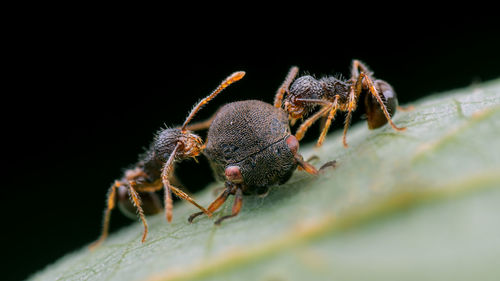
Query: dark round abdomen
x=251 y=135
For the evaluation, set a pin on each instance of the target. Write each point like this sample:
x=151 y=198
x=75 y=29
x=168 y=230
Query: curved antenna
x=285 y=87
x=228 y=81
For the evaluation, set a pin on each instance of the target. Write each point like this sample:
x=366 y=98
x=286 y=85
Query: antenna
x=228 y=81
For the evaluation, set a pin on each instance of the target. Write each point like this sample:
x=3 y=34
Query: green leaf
x=422 y=204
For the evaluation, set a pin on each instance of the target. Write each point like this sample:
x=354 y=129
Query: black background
x=86 y=99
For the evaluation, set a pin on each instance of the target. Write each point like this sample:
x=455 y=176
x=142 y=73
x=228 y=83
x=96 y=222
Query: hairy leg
x=136 y=200
x=238 y=202
x=217 y=202
x=110 y=205
x=331 y=115
x=167 y=170
x=374 y=92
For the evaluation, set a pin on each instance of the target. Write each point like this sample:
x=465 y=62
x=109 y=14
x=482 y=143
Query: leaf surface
x=422 y=204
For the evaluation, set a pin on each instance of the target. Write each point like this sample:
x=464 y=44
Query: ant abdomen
x=374 y=114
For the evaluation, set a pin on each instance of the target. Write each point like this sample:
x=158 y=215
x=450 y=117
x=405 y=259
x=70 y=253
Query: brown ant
x=154 y=170
x=334 y=94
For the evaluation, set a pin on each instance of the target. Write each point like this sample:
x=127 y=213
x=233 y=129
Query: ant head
x=305 y=87
x=375 y=116
x=190 y=145
x=295 y=109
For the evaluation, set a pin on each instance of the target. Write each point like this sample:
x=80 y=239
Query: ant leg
x=374 y=92
x=313 y=101
x=151 y=203
x=136 y=200
x=304 y=165
x=301 y=131
x=167 y=169
x=366 y=73
x=329 y=164
x=354 y=93
x=278 y=99
x=148 y=188
x=331 y=115
x=358 y=65
x=216 y=203
x=169 y=203
x=111 y=203
x=357 y=79
x=350 y=108
x=186 y=197
x=312 y=158
x=238 y=202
